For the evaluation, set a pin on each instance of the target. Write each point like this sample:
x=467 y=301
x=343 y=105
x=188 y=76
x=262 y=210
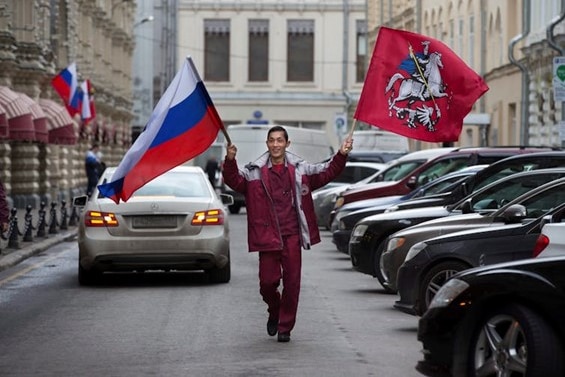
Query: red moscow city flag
x=417 y=87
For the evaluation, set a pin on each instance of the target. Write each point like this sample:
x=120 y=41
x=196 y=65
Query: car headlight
x=391 y=209
x=395 y=243
x=415 y=250
x=359 y=230
x=448 y=292
x=339 y=202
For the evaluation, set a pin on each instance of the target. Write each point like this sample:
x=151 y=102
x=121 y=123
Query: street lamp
x=143 y=20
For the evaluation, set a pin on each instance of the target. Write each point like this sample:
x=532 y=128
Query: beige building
x=288 y=62
x=42 y=149
x=511 y=52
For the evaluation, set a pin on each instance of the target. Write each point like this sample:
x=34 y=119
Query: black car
x=430 y=263
x=499 y=320
x=366 y=247
x=351 y=213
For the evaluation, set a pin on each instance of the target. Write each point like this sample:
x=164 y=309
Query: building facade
x=42 y=148
x=299 y=63
x=507 y=42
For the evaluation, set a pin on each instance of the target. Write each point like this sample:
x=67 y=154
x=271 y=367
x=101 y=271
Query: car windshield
x=398 y=171
x=501 y=194
x=176 y=184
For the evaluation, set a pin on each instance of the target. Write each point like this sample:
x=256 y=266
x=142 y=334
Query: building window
x=460 y=36
x=471 y=40
x=258 y=50
x=217 y=50
x=300 y=54
x=361 y=58
x=452 y=34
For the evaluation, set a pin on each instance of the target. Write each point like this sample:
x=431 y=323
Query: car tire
x=512 y=336
x=88 y=277
x=433 y=280
x=377 y=270
x=220 y=275
x=234 y=209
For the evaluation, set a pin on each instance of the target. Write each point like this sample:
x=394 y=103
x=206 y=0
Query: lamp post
x=142 y=74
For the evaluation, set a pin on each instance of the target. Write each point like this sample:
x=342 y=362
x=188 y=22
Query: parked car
x=348 y=215
x=398 y=170
x=522 y=189
x=174 y=222
x=351 y=213
x=365 y=255
x=499 y=320
x=430 y=263
x=443 y=164
x=355 y=173
x=551 y=241
x=379 y=156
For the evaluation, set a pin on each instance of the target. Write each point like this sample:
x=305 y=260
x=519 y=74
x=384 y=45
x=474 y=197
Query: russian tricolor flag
x=183 y=125
x=66 y=85
x=87 y=109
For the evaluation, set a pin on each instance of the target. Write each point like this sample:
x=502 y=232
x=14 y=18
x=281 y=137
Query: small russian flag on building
x=65 y=84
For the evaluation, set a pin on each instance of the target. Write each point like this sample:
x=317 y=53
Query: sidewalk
x=10 y=256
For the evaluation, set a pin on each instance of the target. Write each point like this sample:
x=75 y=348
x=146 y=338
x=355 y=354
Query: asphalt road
x=180 y=325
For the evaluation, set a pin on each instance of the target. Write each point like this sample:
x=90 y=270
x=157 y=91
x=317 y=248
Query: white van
x=311 y=145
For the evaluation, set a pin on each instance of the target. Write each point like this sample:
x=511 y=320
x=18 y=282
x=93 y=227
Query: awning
x=39 y=119
x=18 y=113
x=62 y=129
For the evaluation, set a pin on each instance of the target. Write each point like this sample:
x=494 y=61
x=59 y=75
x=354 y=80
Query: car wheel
x=234 y=208
x=513 y=340
x=377 y=271
x=380 y=273
x=88 y=277
x=220 y=275
x=433 y=280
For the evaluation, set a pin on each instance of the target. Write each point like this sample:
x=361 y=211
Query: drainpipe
x=551 y=41
x=525 y=111
x=345 y=56
x=485 y=129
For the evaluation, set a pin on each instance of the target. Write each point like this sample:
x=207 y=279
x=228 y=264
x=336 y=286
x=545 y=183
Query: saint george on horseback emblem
x=413 y=95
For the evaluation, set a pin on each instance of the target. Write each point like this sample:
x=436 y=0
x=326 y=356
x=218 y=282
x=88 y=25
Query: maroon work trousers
x=273 y=266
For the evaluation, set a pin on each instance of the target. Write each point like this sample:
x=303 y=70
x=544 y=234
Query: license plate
x=154 y=222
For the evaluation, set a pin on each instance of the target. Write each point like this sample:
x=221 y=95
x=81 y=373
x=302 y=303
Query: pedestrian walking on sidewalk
x=280 y=218
x=92 y=166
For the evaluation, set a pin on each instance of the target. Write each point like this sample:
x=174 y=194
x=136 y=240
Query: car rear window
x=177 y=184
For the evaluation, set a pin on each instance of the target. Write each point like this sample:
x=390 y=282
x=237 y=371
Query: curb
x=30 y=249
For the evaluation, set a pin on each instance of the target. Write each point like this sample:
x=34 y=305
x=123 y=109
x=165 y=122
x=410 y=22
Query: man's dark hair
x=276 y=129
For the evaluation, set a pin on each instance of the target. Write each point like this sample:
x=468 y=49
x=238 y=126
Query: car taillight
x=96 y=218
x=541 y=244
x=210 y=217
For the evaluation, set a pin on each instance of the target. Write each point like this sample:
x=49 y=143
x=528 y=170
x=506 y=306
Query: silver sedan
x=174 y=222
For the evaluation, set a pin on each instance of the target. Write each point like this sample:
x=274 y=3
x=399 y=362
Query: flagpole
x=350 y=136
x=226 y=135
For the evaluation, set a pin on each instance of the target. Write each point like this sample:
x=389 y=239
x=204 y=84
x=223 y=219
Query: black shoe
x=283 y=337
x=272 y=325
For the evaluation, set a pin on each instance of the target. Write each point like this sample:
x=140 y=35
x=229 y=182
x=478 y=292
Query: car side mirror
x=227 y=199
x=80 y=201
x=412 y=182
x=467 y=207
x=514 y=213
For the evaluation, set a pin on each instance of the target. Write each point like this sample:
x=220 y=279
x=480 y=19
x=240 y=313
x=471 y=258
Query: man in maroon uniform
x=280 y=218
